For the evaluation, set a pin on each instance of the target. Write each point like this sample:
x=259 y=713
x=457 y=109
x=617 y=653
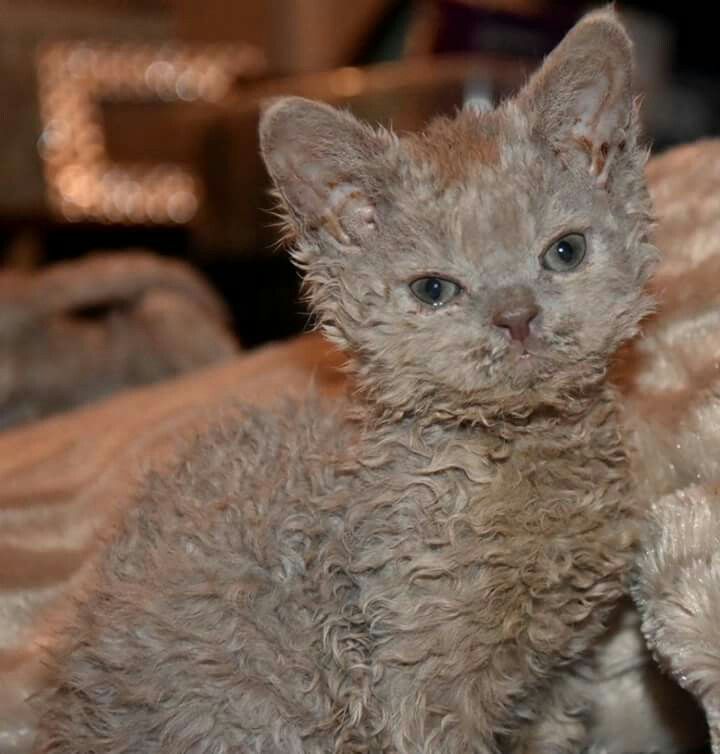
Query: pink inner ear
x=601 y=115
x=348 y=211
x=582 y=96
x=340 y=207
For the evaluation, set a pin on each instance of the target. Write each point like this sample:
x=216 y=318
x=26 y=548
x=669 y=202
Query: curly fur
x=424 y=568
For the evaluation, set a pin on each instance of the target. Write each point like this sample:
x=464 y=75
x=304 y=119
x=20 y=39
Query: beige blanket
x=79 y=330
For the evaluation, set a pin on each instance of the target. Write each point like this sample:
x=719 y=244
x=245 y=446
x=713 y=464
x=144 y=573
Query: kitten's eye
x=565 y=254
x=434 y=291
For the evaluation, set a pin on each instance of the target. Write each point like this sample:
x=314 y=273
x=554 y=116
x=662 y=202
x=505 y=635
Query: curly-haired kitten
x=420 y=569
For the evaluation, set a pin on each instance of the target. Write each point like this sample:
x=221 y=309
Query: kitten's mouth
x=524 y=352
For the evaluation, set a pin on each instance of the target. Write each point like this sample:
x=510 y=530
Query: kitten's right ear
x=581 y=99
x=318 y=158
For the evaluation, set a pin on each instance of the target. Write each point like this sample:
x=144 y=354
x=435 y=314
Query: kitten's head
x=492 y=264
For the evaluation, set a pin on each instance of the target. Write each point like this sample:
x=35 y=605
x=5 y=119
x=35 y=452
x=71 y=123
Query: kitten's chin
x=533 y=368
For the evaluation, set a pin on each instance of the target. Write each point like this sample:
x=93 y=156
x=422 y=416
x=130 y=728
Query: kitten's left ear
x=319 y=158
x=581 y=99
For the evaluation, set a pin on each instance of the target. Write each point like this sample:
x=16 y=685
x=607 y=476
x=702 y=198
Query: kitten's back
x=209 y=605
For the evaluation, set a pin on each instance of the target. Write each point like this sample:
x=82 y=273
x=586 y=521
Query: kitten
x=421 y=569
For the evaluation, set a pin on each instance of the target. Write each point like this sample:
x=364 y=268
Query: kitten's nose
x=516 y=320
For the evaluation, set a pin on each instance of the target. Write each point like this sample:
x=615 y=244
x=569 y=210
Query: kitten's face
x=493 y=263
x=518 y=276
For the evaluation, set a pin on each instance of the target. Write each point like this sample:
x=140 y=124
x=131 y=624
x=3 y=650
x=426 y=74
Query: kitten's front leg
x=561 y=725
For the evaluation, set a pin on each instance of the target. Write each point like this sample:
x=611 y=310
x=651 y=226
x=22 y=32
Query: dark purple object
x=472 y=28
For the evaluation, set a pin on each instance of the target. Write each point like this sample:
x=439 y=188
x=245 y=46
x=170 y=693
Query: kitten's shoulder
x=252 y=469
x=225 y=539
x=247 y=443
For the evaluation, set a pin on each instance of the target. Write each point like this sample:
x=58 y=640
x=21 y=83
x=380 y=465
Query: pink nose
x=516 y=321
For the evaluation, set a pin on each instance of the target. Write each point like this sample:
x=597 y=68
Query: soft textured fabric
x=76 y=331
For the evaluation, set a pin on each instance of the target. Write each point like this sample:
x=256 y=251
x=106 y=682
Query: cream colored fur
x=673 y=410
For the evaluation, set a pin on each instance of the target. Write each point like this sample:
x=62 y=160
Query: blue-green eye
x=434 y=291
x=565 y=254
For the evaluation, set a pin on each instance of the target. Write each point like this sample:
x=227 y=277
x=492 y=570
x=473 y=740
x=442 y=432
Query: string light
x=75 y=77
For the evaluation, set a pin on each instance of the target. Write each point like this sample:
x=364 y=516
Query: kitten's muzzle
x=515 y=313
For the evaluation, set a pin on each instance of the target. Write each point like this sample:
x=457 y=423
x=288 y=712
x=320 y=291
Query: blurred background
x=131 y=124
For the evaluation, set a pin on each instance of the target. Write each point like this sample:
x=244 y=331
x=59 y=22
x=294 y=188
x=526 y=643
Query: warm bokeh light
x=83 y=183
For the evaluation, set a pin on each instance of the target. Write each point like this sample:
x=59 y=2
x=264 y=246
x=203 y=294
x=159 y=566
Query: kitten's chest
x=467 y=561
x=512 y=533
x=527 y=492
